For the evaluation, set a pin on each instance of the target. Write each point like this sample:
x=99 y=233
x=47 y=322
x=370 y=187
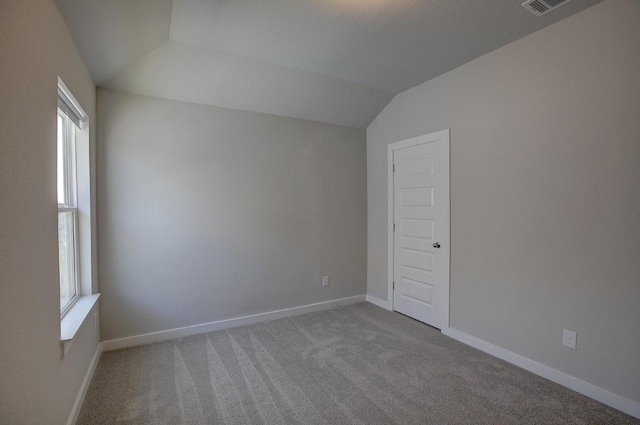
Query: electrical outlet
x=569 y=339
x=325 y=280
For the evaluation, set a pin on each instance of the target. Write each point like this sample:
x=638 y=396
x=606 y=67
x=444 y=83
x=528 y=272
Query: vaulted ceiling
x=335 y=61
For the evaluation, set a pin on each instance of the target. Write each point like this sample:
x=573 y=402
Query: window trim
x=68 y=103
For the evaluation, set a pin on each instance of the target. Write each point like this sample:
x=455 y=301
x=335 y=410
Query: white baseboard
x=616 y=401
x=75 y=411
x=150 y=338
x=379 y=302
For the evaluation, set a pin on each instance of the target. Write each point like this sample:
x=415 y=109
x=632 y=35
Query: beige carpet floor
x=351 y=365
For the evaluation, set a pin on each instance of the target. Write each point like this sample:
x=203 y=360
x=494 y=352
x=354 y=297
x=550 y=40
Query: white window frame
x=81 y=185
x=73 y=117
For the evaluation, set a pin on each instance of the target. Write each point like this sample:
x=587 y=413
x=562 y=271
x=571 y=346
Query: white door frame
x=443 y=137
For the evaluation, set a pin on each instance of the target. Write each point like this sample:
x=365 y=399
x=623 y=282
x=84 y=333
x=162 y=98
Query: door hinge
x=394 y=227
x=394 y=285
x=394 y=168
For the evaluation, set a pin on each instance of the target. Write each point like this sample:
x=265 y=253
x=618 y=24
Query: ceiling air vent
x=541 y=7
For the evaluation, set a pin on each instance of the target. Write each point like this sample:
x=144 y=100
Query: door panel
x=418 y=265
x=417 y=291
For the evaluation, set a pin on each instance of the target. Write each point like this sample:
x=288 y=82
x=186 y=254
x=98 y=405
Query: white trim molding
x=76 y=316
x=443 y=137
x=150 y=338
x=379 y=302
x=607 y=397
x=75 y=411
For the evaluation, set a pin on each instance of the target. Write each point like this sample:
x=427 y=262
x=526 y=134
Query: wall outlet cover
x=569 y=339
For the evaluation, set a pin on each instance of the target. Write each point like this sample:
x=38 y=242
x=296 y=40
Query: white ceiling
x=336 y=61
x=113 y=34
x=184 y=72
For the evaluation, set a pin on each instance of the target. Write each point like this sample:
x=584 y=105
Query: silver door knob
x=436 y=245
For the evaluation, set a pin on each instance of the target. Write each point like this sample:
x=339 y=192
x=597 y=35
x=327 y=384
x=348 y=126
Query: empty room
x=319 y=212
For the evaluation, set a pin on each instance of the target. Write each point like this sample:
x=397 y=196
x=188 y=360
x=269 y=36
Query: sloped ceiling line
x=335 y=61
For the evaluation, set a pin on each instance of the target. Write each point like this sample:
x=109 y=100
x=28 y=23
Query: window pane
x=67 y=258
x=61 y=161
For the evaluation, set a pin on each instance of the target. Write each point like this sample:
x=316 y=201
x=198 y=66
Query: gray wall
x=545 y=192
x=209 y=213
x=37 y=387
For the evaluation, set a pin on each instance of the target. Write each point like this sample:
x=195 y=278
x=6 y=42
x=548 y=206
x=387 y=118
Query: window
x=67 y=212
x=70 y=118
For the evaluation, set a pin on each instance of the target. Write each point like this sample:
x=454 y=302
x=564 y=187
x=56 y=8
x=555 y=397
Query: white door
x=421 y=229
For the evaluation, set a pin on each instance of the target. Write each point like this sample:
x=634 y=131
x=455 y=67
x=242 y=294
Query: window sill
x=76 y=316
